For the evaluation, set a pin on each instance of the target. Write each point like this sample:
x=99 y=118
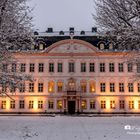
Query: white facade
x=95 y=90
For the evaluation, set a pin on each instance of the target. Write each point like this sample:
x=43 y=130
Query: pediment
x=71 y=46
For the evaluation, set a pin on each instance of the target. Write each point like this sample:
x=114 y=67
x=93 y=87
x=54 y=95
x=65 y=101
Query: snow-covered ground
x=69 y=128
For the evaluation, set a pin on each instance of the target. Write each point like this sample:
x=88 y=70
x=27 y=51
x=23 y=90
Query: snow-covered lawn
x=69 y=128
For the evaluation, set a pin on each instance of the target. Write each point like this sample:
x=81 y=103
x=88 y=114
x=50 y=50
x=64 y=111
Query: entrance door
x=71 y=107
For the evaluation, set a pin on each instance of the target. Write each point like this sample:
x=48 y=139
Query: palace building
x=74 y=72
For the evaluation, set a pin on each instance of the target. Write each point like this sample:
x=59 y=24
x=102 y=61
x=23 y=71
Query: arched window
x=102 y=46
x=51 y=87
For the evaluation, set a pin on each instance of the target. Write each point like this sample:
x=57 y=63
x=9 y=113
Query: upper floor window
x=130 y=87
x=51 y=87
x=32 y=67
x=22 y=87
x=51 y=67
x=138 y=87
x=83 y=67
x=121 y=87
x=138 y=67
x=102 y=67
x=130 y=67
x=22 y=67
x=92 y=87
x=91 y=67
x=14 y=67
x=31 y=87
x=111 y=67
x=60 y=86
x=71 y=67
x=102 y=87
x=59 y=67
x=120 y=67
x=112 y=87
x=83 y=86
x=4 y=67
x=40 y=67
x=40 y=87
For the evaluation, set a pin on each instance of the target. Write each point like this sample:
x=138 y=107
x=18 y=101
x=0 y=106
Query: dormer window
x=82 y=33
x=41 y=46
x=102 y=46
x=61 y=33
x=32 y=47
x=110 y=46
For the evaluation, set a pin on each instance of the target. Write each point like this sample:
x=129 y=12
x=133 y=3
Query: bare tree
x=15 y=34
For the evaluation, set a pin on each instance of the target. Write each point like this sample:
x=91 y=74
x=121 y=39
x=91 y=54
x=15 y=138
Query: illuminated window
x=121 y=87
x=40 y=67
x=138 y=87
x=21 y=104
x=51 y=67
x=40 y=87
x=92 y=104
x=102 y=87
x=111 y=67
x=40 y=104
x=12 y=104
x=71 y=67
x=59 y=104
x=51 y=87
x=50 y=104
x=102 y=67
x=120 y=67
x=31 y=87
x=59 y=67
x=22 y=67
x=83 y=86
x=130 y=67
x=91 y=67
x=103 y=104
x=112 y=104
x=3 y=105
x=122 y=104
x=102 y=46
x=92 y=87
x=41 y=46
x=21 y=87
x=14 y=67
x=130 y=87
x=32 y=67
x=131 y=104
x=138 y=104
x=110 y=46
x=83 y=67
x=31 y=104
x=112 y=87
x=84 y=104
x=60 y=86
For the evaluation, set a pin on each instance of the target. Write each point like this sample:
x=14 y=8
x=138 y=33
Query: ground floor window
x=21 y=104
x=31 y=104
x=103 y=104
x=50 y=104
x=122 y=104
x=12 y=104
x=92 y=104
x=131 y=104
x=40 y=104
x=3 y=105
x=139 y=104
x=84 y=104
x=112 y=104
x=59 y=104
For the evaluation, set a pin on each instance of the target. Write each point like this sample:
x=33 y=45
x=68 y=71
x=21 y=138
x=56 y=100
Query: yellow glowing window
x=92 y=87
x=60 y=86
x=51 y=87
x=59 y=104
x=131 y=104
x=41 y=46
x=3 y=105
x=112 y=104
x=83 y=86
x=84 y=104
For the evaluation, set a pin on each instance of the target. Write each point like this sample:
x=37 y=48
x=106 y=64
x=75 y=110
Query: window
x=4 y=88
x=51 y=67
x=131 y=104
x=102 y=67
x=60 y=86
x=51 y=87
x=22 y=88
x=12 y=87
x=138 y=67
x=112 y=87
x=102 y=87
x=40 y=104
x=22 y=67
x=40 y=67
x=112 y=104
x=50 y=104
x=71 y=67
x=91 y=67
x=21 y=104
x=31 y=87
x=60 y=67
x=138 y=104
x=84 y=104
x=92 y=104
x=121 y=87
x=3 y=105
x=92 y=87
x=122 y=104
x=12 y=104
x=138 y=87
x=31 y=104
x=120 y=67
x=130 y=87
x=59 y=104
x=83 y=67
x=4 y=67
x=40 y=87
x=111 y=67
x=32 y=67
x=14 y=67
x=103 y=104
x=130 y=67
x=83 y=86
